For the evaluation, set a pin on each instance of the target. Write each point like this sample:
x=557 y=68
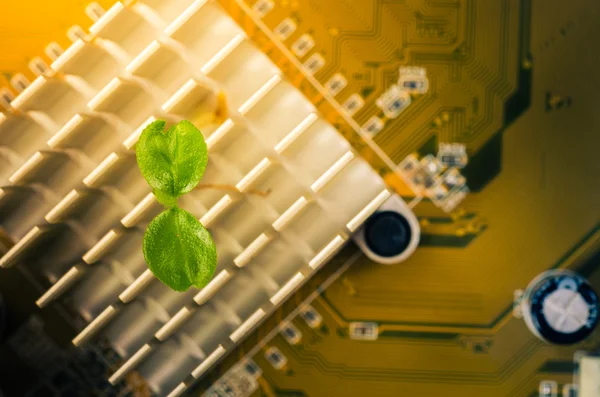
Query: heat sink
x=285 y=190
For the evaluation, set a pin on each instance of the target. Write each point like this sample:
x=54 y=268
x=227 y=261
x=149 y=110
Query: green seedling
x=178 y=249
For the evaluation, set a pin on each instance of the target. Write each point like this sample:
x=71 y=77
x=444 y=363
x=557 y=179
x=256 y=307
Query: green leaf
x=179 y=250
x=165 y=199
x=172 y=162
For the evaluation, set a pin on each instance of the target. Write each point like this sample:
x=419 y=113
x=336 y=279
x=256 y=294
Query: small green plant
x=178 y=249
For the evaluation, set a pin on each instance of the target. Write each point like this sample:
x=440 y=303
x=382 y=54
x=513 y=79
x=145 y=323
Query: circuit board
x=445 y=316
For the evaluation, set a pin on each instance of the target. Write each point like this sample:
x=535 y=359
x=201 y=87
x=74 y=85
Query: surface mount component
x=394 y=101
x=453 y=155
x=413 y=79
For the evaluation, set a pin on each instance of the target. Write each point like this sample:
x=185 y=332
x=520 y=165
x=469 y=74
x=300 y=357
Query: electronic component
x=431 y=164
x=449 y=183
x=560 y=307
x=239 y=381
x=252 y=368
x=373 y=126
x=275 y=357
x=409 y=165
x=314 y=63
x=454 y=199
x=19 y=82
x=363 y=330
x=303 y=45
x=587 y=375
x=453 y=155
x=38 y=66
x=413 y=79
x=311 y=316
x=53 y=51
x=417 y=173
x=393 y=102
x=556 y=101
x=391 y=234
x=336 y=83
x=75 y=33
x=423 y=179
x=353 y=104
x=446 y=189
x=291 y=334
x=262 y=7
x=548 y=388
x=6 y=97
x=94 y=11
x=387 y=233
x=285 y=29
x=452 y=179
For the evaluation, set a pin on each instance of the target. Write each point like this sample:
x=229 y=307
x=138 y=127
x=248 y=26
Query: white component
x=19 y=82
x=311 y=316
x=446 y=190
x=363 y=331
x=94 y=11
x=353 y=104
x=413 y=80
x=589 y=376
x=53 y=51
x=393 y=102
x=373 y=126
x=285 y=29
x=262 y=7
x=409 y=165
x=38 y=66
x=239 y=381
x=449 y=186
x=250 y=367
x=241 y=384
x=453 y=154
x=455 y=199
x=303 y=45
x=291 y=334
x=75 y=33
x=336 y=83
x=314 y=63
x=275 y=357
x=6 y=97
x=431 y=164
x=548 y=388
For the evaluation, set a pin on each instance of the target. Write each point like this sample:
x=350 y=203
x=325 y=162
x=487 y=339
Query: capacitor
x=560 y=307
x=391 y=234
x=387 y=233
